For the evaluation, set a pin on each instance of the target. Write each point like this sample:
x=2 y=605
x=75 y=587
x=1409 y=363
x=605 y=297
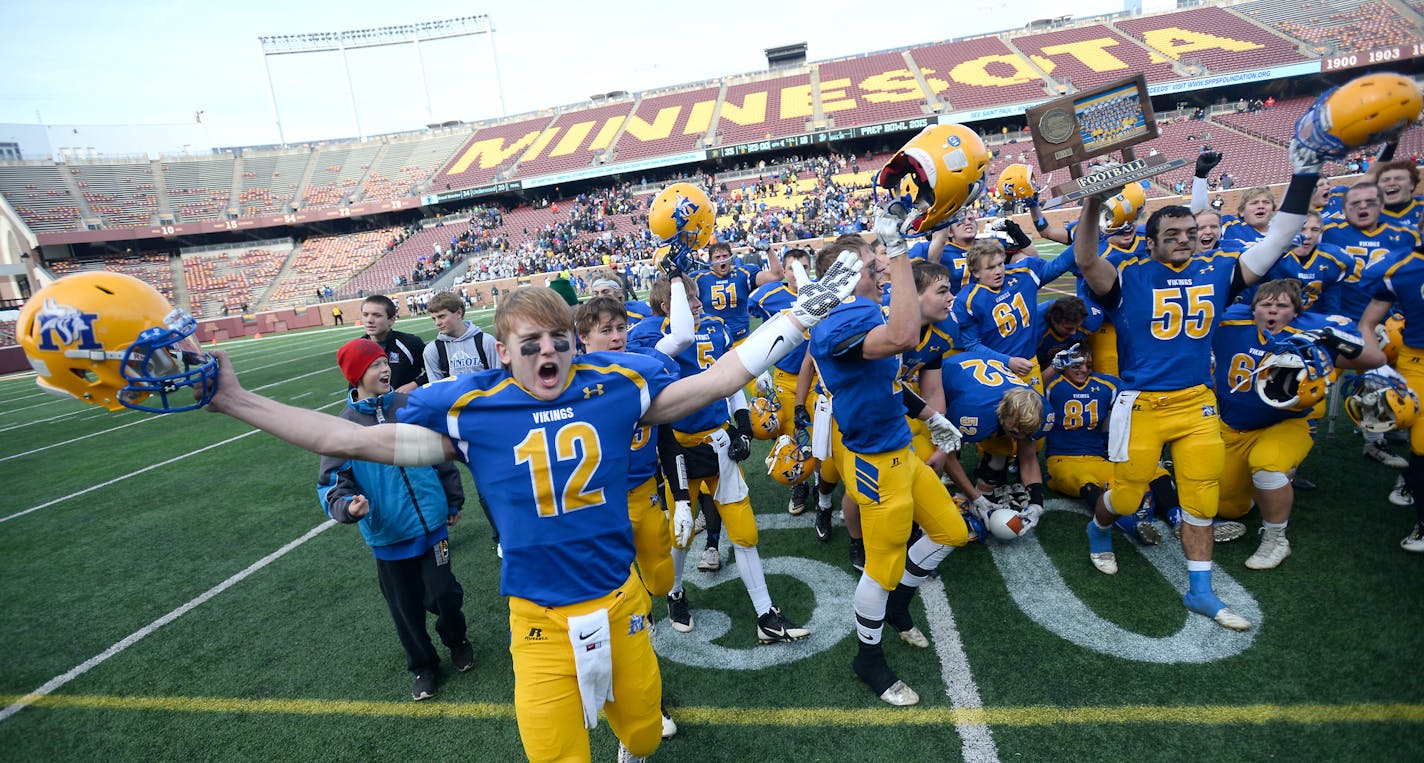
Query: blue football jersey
x=1050 y=342
x=726 y=297
x=865 y=393
x=974 y=384
x=710 y=342
x=1080 y=415
x=637 y=311
x=554 y=473
x=1239 y=348
x=1165 y=316
x=1402 y=283
x=934 y=346
x=1366 y=248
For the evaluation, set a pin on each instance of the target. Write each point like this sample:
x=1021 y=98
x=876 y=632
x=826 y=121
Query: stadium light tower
x=340 y=42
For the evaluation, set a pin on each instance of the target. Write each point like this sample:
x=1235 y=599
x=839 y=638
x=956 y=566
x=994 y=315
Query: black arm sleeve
x=668 y=450
x=850 y=349
x=1020 y=239
x=914 y=404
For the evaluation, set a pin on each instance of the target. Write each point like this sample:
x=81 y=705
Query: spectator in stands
x=405 y=352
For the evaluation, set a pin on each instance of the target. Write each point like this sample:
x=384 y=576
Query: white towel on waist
x=730 y=485
x=821 y=428
x=593 y=660
x=1120 y=425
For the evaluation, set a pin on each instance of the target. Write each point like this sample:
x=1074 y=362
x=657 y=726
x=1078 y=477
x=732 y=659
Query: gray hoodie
x=472 y=351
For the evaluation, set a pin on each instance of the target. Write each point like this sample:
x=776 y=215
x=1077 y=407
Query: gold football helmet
x=1017 y=182
x=1370 y=109
x=790 y=461
x=942 y=171
x=1121 y=210
x=765 y=416
x=683 y=218
x=112 y=340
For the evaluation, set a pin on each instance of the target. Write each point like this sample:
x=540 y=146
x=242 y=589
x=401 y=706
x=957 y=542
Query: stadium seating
x=1276 y=124
x=1335 y=25
x=330 y=261
x=154 y=269
x=365 y=253
x=646 y=136
x=743 y=118
x=269 y=181
x=39 y=194
x=198 y=189
x=219 y=284
x=336 y=173
x=407 y=164
x=869 y=89
x=490 y=151
x=574 y=140
x=1262 y=49
x=123 y=195
x=1000 y=75
x=1091 y=55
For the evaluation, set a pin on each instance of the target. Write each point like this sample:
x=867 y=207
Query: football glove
x=1304 y=160
x=682 y=523
x=982 y=507
x=945 y=435
x=887 y=229
x=669 y=266
x=1206 y=162
x=816 y=299
x=803 y=417
x=1064 y=359
x=1345 y=345
x=1031 y=515
x=741 y=446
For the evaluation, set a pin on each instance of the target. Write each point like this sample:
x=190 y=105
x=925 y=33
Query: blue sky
x=158 y=62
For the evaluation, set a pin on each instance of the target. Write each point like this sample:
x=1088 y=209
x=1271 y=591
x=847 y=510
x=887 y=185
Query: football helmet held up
x=683 y=218
x=1379 y=400
x=941 y=170
x=1370 y=109
x=1120 y=211
x=1017 y=182
x=112 y=340
x=1391 y=336
x=790 y=461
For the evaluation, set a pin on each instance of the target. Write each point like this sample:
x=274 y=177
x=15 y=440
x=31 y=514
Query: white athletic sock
x=679 y=555
x=1194 y=565
x=1374 y=437
x=749 y=567
x=869 y=605
x=1275 y=525
x=920 y=560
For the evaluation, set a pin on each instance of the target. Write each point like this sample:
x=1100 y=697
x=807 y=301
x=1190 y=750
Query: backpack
x=444 y=357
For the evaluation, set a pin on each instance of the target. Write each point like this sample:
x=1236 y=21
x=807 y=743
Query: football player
x=1063 y=323
x=712 y=452
x=1368 y=241
x=725 y=288
x=1167 y=305
x=1270 y=373
x=768 y=300
x=547 y=438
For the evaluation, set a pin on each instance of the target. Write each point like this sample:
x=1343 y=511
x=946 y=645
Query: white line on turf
x=58 y=681
x=977 y=741
x=148 y=468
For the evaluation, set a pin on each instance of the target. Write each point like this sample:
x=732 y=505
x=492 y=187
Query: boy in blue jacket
x=403 y=513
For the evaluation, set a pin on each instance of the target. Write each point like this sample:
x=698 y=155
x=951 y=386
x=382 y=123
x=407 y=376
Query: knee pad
x=1266 y=480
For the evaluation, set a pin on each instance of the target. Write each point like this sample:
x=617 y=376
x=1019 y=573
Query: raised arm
x=1097 y=272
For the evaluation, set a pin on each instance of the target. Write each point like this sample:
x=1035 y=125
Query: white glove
x=983 y=507
x=1067 y=358
x=944 y=434
x=816 y=299
x=1382 y=335
x=887 y=229
x=1305 y=160
x=1031 y=515
x=999 y=224
x=682 y=523
x=765 y=387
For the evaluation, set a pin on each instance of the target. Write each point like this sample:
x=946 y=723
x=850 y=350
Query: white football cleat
x=900 y=695
x=1226 y=618
x=669 y=726
x=1274 y=550
x=1106 y=562
x=915 y=638
x=1414 y=541
x=1225 y=531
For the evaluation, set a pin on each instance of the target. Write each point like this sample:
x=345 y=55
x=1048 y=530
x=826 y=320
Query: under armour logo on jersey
x=589 y=392
x=636 y=624
x=68 y=324
x=1208 y=410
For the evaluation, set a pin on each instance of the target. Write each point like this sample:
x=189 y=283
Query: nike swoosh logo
x=586 y=636
x=774 y=343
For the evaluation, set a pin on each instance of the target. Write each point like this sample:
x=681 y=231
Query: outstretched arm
x=403 y=444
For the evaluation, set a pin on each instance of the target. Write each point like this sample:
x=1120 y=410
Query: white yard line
x=976 y=738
